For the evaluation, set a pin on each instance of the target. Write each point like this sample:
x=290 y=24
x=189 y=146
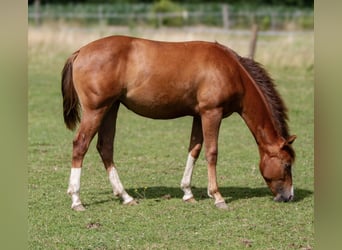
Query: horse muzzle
x=284 y=196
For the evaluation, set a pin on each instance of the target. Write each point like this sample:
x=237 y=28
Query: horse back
x=155 y=79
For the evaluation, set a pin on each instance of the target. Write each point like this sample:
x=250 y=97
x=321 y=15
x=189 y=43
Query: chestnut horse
x=164 y=80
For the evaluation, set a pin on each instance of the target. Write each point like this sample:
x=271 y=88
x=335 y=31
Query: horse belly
x=159 y=104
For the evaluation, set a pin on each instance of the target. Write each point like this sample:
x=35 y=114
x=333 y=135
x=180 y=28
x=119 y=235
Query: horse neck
x=257 y=115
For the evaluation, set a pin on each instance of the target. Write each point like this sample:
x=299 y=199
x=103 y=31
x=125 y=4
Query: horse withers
x=164 y=80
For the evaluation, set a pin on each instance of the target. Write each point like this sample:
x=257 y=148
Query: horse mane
x=272 y=96
x=266 y=84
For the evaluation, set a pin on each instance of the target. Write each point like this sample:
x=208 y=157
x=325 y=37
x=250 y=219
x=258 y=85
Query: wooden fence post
x=159 y=20
x=37 y=15
x=100 y=15
x=252 y=46
x=225 y=16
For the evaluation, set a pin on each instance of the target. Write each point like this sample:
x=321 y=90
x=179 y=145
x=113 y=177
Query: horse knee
x=212 y=191
x=211 y=155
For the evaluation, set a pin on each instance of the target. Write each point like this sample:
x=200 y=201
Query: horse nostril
x=290 y=198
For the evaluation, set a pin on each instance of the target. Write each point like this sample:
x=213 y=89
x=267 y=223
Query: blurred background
x=228 y=14
x=264 y=29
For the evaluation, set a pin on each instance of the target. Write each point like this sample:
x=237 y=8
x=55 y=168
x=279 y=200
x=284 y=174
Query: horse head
x=276 y=168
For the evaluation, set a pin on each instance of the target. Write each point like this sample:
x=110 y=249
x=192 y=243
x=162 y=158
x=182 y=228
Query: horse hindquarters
x=90 y=122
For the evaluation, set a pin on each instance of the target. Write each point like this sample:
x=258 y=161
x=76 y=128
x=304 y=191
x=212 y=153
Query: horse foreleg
x=195 y=146
x=88 y=127
x=105 y=148
x=211 y=120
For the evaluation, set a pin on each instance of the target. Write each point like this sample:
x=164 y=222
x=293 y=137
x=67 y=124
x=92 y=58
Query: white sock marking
x=118 y=188
x=186 y=180
x=74 y=186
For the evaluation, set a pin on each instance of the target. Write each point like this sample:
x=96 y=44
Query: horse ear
x=291 y=139
x=282 y=143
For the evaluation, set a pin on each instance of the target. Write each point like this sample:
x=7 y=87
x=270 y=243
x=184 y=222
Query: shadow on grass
x=231 y=193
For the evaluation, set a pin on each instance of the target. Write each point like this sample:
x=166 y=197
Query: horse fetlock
x=187 y=196
x=75 y=198
x=210 y=193
x=132 y=202
x=126 y=198
x=187 y=192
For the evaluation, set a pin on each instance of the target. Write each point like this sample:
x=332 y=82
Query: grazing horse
x=164 y=80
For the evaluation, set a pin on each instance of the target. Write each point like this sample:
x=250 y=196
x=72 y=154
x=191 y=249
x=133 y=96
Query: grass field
x=151 y=157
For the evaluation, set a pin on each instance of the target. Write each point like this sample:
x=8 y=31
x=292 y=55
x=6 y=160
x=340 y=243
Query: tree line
x=288 y=3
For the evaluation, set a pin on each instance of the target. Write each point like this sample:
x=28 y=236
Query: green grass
x=151 y=156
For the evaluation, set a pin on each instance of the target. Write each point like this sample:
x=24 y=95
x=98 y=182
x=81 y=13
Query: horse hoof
x=221 y=205
x=191 y=200
x=79 y=208
x=131 y=203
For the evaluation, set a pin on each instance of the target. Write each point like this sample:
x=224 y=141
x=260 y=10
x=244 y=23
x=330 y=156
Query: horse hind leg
x=87 y=129
x=105 y=147
x=196 y=141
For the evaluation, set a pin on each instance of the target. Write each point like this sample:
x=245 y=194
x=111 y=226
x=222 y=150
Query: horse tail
x=71 y=103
